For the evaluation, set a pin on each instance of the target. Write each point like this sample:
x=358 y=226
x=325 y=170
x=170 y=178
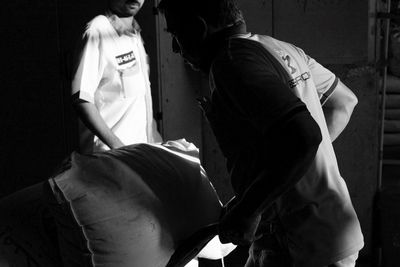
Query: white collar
x=120 y=27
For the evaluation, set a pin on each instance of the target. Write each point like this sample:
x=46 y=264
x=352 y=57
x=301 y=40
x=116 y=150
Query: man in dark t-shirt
x=275 y=113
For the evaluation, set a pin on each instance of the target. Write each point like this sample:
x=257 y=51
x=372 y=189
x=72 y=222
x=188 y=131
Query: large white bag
x=136 y=204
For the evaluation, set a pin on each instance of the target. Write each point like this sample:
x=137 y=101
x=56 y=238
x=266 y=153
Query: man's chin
x=132 y=9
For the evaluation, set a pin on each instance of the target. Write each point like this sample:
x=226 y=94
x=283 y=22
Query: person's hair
x=215 y=12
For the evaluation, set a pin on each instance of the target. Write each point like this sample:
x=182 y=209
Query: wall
x=179 y=87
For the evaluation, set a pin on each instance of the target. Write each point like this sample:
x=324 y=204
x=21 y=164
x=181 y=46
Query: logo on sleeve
x=288 y=62
x=125 y=58
x=301 y=78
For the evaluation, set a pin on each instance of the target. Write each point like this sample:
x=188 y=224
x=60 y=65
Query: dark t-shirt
x=250 y=104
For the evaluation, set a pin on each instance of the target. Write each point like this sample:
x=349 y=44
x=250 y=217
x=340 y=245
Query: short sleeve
x=325 y=81
x=89 y=67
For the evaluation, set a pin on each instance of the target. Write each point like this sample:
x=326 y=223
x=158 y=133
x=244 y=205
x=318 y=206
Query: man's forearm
x=294 y=150
x=91 y=117
x=338 y=109
x=336 y=120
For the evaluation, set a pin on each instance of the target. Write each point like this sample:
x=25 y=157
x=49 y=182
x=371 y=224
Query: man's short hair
x=218 y=13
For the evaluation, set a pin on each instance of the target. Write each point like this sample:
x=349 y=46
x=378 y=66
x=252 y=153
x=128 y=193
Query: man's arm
x=338 y=109
x=91 y=117
x=288 y=140
x=87 y=72
x=293 y=150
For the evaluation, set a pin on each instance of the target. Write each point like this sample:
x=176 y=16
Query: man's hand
x=92 y=119
x=237 y=228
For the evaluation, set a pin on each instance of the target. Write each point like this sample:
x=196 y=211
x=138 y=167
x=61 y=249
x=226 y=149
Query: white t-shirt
x=329 y=229
x=113 y=74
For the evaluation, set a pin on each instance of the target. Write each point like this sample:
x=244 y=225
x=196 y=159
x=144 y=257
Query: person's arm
x=289 y=137
x=88 y=69
x=293 y=149
x=338 y=109
x=337 y=100
x=92 y=119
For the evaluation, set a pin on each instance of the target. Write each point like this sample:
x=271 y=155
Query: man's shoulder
x=246 y=50
x=275 y=44
x=99 y=23
x=255 y=45
x=238 y=49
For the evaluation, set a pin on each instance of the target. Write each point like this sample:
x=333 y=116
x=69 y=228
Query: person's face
x=125 y=8
x=187 y=37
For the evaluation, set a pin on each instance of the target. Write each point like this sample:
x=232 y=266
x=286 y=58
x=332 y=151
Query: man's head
x=191 y=22
x=125 y=8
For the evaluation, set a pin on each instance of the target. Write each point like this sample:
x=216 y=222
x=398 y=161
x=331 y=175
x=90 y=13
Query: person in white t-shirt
x=110 y=87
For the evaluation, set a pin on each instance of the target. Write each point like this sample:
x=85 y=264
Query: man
x=110 y=87
x=275 y=113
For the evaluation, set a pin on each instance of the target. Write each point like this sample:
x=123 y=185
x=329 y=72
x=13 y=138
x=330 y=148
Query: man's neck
x=216 y=39
x=127 y=22
x=123 y=25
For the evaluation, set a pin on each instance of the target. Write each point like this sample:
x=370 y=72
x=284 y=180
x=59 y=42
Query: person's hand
x=116 y=143
x=237 y=228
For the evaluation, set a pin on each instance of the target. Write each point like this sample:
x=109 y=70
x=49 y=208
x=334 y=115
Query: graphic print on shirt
x=288 y=62
x=301 y=78
x=126 y=58
x=132 y=81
